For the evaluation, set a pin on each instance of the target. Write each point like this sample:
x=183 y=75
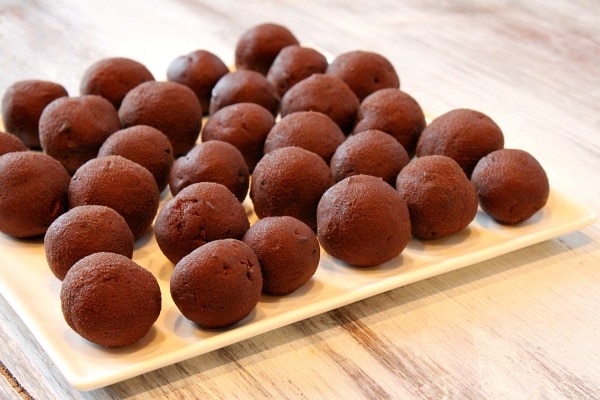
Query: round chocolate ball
x=244 y=86
x=293 y=64
x=10 y=143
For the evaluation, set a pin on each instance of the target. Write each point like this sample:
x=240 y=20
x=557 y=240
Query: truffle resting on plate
x=244 y=86
x=293 y=64
x=110 y=300
x=10 y=143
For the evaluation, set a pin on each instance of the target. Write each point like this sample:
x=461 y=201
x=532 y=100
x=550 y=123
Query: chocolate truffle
x=217 y=284
x=288 y=252
x=511 y=184
x=258 y=46
x=213 y=161
x=170 y=107
x=120 y=184
x=244 y=125
x=293 y=64
x=199 y=70
x=200 y=213
x=363 y=221
x=310 y=130
x=72 y=129
x=82 y=231
x=112 y=78
x=22 y=106
x=34 y=193
x=290 y=181
x=463 y=135
x=110 y=300
x=441 y=199
x=244 y=86
x=369 y=152
x=10 y=143
x=145 y=145
x=364 y=71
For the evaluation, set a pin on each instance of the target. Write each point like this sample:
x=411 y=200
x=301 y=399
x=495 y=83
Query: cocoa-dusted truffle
x=511 y=184
x=112 y=78
x=72 y=129
x=170 y=107
x=217 y=284
x=10 y=143
x=22 y=106
x=120 y=184
x=441 y=199
x=110 y=300
x=244 y=86
x=82 y=231
x=363 y=221
x=34 y=193
x=244 y=125
x=310 y=130
x=213 y=161
x=290 y=181
x=200 y=213
x=293 y=64
x=463 y=135
x=288 y=252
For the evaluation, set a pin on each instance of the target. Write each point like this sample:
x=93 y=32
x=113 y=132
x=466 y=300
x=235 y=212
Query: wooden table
x=521 y=326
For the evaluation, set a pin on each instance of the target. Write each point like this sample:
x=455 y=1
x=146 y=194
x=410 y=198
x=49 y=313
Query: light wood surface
x=521 y=326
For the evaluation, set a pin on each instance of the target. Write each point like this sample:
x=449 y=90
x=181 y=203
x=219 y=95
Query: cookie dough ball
x=72 y=129
x=199 y=214
x=244 y=125
x=212 y=161
x=365 y=72
x=369 y=152
x=440 y=197
x=463 y=135
x=110 y=300
x=217 y=284
x=145 y=145
x=22 y=106
x=244 y=86
x=395 y=113
x=288 y=252
x=82 y=231
x=511 y=184
x=34 y=193
x=170 y=107
x=290 y=181
x=120 y=184
x=326 y=94
x=293 y=64
x=199 y=70
x=363 y=221
x=258 y=46
x=10 y=143
x=112 y=78
x=310 y=130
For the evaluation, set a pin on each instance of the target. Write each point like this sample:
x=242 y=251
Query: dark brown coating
x=145 y=145
x=363 y=221
x=310 y=130
x=170 y=107
x=293 y=64
x=244 y=125
x=288 y=252
x=112 y=78
x=394 y=112
x=22 y=106
x=110 y=300
x=199 y=70
x=213 y=161
x=34 y=193
x=364 y=71
x=511 y=184
x=199 y=214
x=244 y=86
x=441 y=199
x=10 y=143
x=290 y=181
x=258 y=46
x=82 y=231
x=323 y=93
x=463 y=135
x=369 y=152
x=217 y=284
x=120 y=184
